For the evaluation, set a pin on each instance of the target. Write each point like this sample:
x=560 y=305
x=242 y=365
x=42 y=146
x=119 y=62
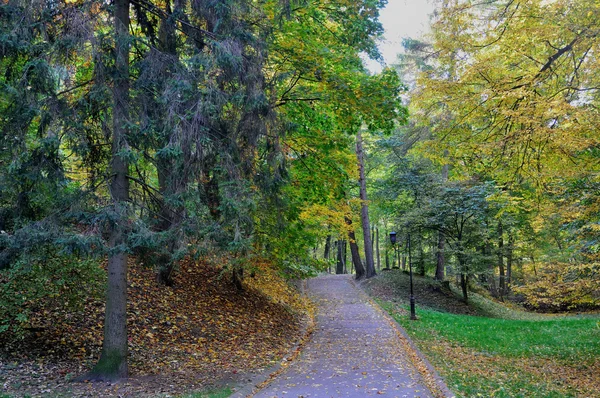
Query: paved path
x=353 y=352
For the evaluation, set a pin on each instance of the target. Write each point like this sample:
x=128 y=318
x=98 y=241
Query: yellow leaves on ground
x=269 y=282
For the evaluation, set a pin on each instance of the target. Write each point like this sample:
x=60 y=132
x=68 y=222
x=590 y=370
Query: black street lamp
x=413 y=316
x=393 y=240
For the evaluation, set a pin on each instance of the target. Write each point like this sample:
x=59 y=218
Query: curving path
x=353 y=352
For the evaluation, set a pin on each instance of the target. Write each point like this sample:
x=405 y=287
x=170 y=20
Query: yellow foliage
x=564 y=286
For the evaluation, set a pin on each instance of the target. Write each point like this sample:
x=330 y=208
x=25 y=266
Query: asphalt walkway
x=353 y=352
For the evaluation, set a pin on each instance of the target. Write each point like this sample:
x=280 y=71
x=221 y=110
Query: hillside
x=200 y=333
x=485 y=348
x=394 y=286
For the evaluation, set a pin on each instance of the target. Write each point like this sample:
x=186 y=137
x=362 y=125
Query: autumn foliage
x=563 y=287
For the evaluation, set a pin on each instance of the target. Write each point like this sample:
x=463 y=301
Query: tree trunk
x=327 y=247
x=463 y=285
x=421 y=266
x=387 y=259
x=441 y=259
x=377 y=248
x=360 y=270
x=346 y=259
x=113 y=359
x=502 y=284
x=491 y=277
x=171 y=181
x=373 y=239
x=509 y=263
x=339 y=269
x=335 y=248
x=237 y=276
x=364 y=210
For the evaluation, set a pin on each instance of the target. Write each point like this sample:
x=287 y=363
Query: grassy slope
x=486 y=349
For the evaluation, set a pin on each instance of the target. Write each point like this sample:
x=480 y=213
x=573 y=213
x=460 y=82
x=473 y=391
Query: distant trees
x=503 y=93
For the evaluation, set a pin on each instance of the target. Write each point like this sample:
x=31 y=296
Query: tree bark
x=387 y=259
x=171 y=181
x=501 y=283
x=491 y=277
x=364 y=211
x=339 y=269
x=464 y=286
x=421 y=264
x=377 y=248
x=441 y=259
x=358 y=266
x=113 y=359
x=327 y=247
x=346 y=262
x=509 y=263
x=373 y=240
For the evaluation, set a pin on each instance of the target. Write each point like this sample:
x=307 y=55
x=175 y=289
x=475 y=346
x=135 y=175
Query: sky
x=400 y=19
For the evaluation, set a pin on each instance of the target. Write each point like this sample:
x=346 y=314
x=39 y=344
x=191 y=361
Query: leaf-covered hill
x=182 y=338
x=394 y=286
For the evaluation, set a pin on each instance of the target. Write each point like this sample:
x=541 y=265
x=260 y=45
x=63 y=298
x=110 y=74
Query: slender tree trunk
x=502 y=284
x=373 y=238
x=441 y=259
x=464 y=286
x=421 y=266
x=327 y=247
x=509 y=262
x=339 y=269
x=377 y=248
x=387 y=259
x=171 y=180
x=360 y=270
x=345 y=255
x=491 y=277
x=113 y=359
x=364 y=213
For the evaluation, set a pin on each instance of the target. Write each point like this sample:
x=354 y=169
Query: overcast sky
x=400 y=19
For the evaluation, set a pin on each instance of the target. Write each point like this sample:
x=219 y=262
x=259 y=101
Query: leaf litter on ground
x=201 y=332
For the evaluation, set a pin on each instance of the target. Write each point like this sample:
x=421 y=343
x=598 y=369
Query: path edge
x=264 y=378
x=441 y=389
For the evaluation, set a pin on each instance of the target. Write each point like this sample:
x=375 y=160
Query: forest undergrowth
x=199 y=334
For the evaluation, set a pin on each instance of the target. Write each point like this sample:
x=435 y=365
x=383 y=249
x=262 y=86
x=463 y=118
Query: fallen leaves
x=202 y=326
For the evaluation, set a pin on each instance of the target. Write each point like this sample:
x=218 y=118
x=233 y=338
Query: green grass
x=508 y=352
x=220 y=393
x=567 y=339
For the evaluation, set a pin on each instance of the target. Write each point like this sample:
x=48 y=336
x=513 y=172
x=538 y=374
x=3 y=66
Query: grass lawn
x=221 y=393
x=543 y=356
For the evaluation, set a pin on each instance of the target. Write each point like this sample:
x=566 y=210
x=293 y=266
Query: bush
x=563 y=287
x=45 y=279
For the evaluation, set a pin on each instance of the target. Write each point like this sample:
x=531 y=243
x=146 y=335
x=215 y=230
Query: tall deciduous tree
x=364 y=208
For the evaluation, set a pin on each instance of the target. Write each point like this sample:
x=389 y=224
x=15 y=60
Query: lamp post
x=413 y=316
x=393 y=240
